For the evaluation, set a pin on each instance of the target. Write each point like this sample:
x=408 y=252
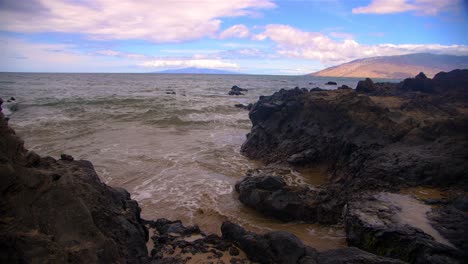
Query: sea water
x=173 y=141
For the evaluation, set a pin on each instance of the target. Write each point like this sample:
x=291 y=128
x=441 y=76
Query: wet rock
x=272 y=247
x=353 y=255
x=245 y=107
x=170 y=92
x=344 y=87
x=452 y=223
x=66 y=157
x=235 y=93
x=238 y=89
x=330 y=83
x=175 y=242
x=270 y=196
x=75 y=219
x=396 y=226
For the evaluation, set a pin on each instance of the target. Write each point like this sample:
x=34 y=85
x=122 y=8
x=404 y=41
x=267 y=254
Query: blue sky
x=248 y=36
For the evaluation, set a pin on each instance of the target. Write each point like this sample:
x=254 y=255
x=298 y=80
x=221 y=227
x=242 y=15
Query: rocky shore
x=375 y=141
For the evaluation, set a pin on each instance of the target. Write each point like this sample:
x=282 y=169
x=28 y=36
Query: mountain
x=396 y=67
x=197 y=71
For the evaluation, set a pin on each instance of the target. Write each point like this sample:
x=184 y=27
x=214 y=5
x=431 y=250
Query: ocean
x=171 y=140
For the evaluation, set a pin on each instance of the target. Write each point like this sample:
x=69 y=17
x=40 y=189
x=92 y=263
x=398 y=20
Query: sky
x=247 y=36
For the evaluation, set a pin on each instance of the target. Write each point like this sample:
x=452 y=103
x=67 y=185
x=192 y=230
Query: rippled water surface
x=177 y=154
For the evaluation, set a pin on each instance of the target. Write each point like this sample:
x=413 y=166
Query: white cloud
x=236 y=31
x=341 y=35
x=422 y=7
x=20 y=55
x=154 y=20
x=292 y=42
x=186 y=63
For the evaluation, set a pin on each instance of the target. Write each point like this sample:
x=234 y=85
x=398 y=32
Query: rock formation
x=374 y=140
x=58 y=211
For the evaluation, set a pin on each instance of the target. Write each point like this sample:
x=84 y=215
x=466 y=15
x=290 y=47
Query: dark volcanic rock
x=452 y=223
x=285 y=248
x=273 y=247
x=175 y=243
x=396 y=226
x=344 y=87
x=236 y=90
x=60 y=212
x=330 y=83
x=353 y=255
x=245 y=107
x=366 y=86
x=394 y=139
x=270 y=196
x=235 y=93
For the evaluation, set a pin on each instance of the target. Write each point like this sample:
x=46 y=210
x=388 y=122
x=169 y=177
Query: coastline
x=18 y=164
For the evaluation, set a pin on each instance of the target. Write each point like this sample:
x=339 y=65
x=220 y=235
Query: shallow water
x=178 y=155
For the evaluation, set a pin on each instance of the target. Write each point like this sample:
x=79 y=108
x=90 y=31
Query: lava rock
x=330 y=83
x=75 y=219
x=377 y=225
x=366 y=86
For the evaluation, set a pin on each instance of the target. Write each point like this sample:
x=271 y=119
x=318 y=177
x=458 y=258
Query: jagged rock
x=175 y=243
x=366 y=86
x=283 y=247
x=396 y=226
x=363 y=137
x=238 y=89
x=75 y=219
x=273 y=247
x=270 y=196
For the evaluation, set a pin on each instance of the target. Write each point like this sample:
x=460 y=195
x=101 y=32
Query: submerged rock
x=330 y=83
x=236 y=90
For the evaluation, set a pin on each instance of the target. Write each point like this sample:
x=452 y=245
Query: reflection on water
x=177 y=154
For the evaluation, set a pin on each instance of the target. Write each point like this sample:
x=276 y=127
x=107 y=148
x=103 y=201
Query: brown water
x=178 y=155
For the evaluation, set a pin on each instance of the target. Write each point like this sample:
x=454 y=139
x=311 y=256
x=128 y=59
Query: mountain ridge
x=396 y=67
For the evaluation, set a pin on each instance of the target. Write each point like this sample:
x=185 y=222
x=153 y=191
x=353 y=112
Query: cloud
x=20 y=55
x=341 y=35
x=187 y=63
x=421 y=7
x=294 y=43
x=154 y=20
x=236 y=31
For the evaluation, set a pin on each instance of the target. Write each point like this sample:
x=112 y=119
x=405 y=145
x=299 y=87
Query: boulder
x=366 y=86
x=273 y=247
x=270 y=196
